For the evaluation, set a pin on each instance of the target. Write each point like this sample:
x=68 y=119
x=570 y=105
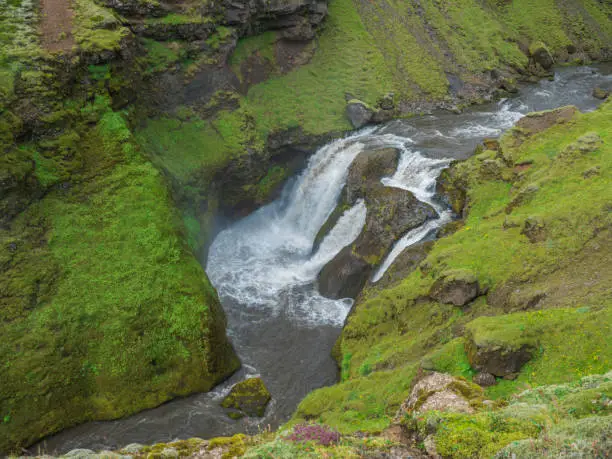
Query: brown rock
x=540 y=121
x=497 y=359
x=441 y=392
x=491 y=144
x=457 y=288
x=485 y=379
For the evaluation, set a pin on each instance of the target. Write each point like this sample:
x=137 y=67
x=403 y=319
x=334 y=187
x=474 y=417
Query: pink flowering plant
x=317 y=433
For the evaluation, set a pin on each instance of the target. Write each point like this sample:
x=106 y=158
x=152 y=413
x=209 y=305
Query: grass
x=108 y=312
x=192 y=145
x=261 y=45
x=346 y=61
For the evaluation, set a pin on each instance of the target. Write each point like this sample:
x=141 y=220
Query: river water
x=264 y=266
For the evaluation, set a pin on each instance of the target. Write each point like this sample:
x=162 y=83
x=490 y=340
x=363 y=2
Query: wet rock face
x=344 y=276
x=247 y=398
x=391 y=212
x=367 y=170
x=297 y=19
x=358 y=113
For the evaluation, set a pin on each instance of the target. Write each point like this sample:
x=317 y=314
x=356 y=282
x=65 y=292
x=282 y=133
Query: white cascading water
x=268 y=255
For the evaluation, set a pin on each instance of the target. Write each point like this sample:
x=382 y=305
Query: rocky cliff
x=126 y=127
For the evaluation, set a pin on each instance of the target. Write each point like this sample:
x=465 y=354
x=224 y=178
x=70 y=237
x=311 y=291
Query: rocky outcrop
x=457 y=288
x=391 y=212
x=358 y=113
x=441 y=392
x=502 y=357
x=247 y=398
x=344 y=276
x=541 y=56
x=484 y=379
x=297 y=20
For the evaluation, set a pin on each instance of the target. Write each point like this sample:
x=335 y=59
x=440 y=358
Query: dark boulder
x=358 y=113
x=499 y=356
x=485 y=379
x=541 y=55
x=456 y=287
x=366 y=171
x=344 y=276
x=391 y=213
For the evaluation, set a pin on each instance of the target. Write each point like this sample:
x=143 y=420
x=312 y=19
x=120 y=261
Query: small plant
x=318 y=433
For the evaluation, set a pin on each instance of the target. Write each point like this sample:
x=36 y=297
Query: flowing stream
x=264 y=266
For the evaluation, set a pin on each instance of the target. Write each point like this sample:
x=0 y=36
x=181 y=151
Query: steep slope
x=536 y=240
x=104 y=310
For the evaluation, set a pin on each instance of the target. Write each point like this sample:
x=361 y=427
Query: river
x=264 y=266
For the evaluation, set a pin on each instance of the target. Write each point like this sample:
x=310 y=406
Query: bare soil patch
x=56 y=25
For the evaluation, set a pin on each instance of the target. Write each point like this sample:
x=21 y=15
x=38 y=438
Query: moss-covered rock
x=455 y=287
x=249 y=397
x=499 y=351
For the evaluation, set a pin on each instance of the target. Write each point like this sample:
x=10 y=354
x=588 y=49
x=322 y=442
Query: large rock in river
x=248 y=398
x=391 y=212
x=358 y=113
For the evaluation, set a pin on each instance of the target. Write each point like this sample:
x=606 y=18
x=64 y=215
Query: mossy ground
x=105 y=311
x=393 y=331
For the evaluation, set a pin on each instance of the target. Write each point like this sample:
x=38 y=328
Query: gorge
x=374 y=206
x=265 y=267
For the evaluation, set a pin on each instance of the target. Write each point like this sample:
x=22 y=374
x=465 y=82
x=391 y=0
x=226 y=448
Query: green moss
x=194 y=146
x=97 y=29
x=270 y=182
x=233 y=446
x=482 y=435
x=363 y=404
x=98 y=352
x=449 y=358
x=161 y=56
x=221 y=35
x=249 y=396
x=182 y=447
x=177 y=19
x=261 y=45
